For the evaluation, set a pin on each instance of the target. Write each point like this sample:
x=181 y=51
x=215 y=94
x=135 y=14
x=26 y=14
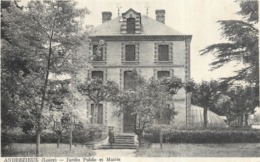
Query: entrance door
x=130 y=82
x=129 y=122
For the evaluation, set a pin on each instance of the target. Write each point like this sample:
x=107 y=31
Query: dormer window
x=131 y=22
x=130 y=26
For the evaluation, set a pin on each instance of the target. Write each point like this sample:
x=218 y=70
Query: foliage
x=206 y=95
x=241 y=45
x=249 y=9
x=147 y=101
x=83 y=135
x=242 y=101
x=39 y=40
x=214 y=135
x=190 y=86
x=97 y=90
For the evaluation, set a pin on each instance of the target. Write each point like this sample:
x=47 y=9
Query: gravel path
x=115 y=153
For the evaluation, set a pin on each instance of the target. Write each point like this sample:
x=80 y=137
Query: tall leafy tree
x=242 y=103
x=97 y=90
x=43 y=37
x=241 y=45
x=206 y=94
x=147 y=101
x=9 y=113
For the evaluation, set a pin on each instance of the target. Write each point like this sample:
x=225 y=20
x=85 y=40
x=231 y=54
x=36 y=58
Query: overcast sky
x=192 y=17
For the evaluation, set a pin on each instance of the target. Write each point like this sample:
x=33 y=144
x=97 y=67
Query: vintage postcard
x=129 y=80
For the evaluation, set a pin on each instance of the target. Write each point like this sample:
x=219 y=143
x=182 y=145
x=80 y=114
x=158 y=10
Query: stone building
x=136 y=41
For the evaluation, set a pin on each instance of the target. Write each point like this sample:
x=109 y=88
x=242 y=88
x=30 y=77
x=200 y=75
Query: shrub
x=200 y=135
x=80 y=135
x=6 y=141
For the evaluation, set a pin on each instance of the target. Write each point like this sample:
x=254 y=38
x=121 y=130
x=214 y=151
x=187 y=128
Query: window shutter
x=162 y=74
x=100 y=114
x=130 y=53
x=92 y=113
x=130 y=26
x=98 y=74
x=98 y=53
x=166 y=116
x=130 y=80
x=163 y=53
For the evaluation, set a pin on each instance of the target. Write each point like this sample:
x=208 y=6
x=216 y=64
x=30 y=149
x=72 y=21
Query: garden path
x=115 y=153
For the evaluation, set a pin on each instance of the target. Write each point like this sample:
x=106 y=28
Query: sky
x=190 y=17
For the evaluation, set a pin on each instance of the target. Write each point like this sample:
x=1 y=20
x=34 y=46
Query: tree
x=206 y=95
x=147 y=101
x=242 y=44
x=97 y=90
x=9 y=84
x=44 y=37
x=243 y=103
x=56 y=95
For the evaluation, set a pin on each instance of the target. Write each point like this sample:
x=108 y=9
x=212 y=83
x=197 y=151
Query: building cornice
x=138 y=66
x=142 y=38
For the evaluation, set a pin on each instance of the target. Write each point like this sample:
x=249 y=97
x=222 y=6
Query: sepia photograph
x=101 y=80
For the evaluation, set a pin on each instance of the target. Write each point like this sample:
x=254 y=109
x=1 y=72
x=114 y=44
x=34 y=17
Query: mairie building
x=133 y=41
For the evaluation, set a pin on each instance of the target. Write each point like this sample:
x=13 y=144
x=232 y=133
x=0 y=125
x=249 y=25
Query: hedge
x=82 y=136
x=190 y=135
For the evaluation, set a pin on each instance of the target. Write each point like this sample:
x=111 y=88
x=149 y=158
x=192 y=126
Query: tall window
x=97 y=114
x=162 y=74
x=163 y=53
x=166 y=116
x=130 y=80
x=97 y=74
x=130 y=25
x=98 y=53
x=130 y=53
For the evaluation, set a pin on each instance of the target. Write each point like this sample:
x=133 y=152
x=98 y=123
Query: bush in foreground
x=191 y=135
x=82 y=136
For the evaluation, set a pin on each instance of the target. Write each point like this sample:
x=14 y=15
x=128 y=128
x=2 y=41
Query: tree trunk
x=246 y=120
x=71 y=138
x=205 y=115
x=140 y=141
x=58 y=141
x=241 y=120
x=228 y=121
x=46 y=81
x=38 y=142
x=161 y=139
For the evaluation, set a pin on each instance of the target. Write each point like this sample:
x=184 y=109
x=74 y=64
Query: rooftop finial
x=147 y=6
x=118 y=6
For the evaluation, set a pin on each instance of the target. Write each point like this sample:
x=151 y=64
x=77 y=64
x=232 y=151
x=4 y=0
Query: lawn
x=202 y=150
x=169 y=150
x=48 y=150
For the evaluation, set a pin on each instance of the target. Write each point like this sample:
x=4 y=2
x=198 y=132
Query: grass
x=47 y=150
x=169 y=150
x=202 y=150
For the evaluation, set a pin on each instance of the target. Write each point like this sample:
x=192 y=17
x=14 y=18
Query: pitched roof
x=149 y=27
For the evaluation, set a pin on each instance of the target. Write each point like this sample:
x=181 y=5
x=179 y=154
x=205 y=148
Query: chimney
x=106 y=16
x=160 y=16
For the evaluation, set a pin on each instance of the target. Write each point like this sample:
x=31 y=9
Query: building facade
x=134 y=41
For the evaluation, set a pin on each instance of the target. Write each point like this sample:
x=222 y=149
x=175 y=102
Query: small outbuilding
x=197 y=118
